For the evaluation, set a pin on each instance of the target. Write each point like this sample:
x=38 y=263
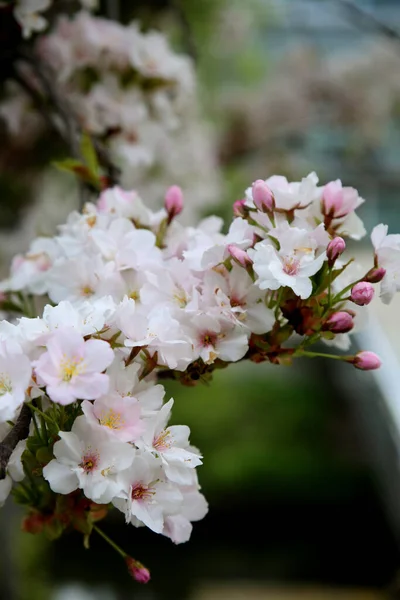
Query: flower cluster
x=29 y=14
x=135 y=297
x=132 y=91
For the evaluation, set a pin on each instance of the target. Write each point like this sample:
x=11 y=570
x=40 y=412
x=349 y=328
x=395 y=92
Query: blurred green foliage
x=266 y=428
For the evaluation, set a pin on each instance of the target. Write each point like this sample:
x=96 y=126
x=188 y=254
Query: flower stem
x=110 y=541
x=322 y=355
x=42 y=414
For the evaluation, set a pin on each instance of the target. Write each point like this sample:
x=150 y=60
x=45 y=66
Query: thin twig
x=359 y=13
x=19 y=432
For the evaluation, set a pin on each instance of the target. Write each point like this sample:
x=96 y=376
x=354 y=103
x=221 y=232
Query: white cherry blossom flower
x=292 y=265
x=15 y=375
x=72 y=368
x=86 y=458
x=145 y=495
x=171 y=444
x=387 y=251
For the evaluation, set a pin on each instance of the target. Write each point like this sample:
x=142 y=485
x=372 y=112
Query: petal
x=98 y=356
x=60 y=477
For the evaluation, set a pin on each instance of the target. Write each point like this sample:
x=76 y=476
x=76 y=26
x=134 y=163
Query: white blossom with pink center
x=146 y=496
x=171 y=444
x=87 y=459
x=238 y=298
x=119 y=416
x=72 y=368
x=215 y=337
x=292 y=264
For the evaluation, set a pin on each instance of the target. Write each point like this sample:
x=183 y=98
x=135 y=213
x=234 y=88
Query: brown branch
x=19 y=432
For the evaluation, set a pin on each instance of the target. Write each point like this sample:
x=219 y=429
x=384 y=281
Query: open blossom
x=15 y=375
x=178 y=525
x=72 y=368
x=86 y=458
x=236 y=297
x=387 y=252
x=216 y=337
x=117 y=415
x=145 y=496
x=339 y=201
x=292 y=265
x=141 y=297
x=171 y=444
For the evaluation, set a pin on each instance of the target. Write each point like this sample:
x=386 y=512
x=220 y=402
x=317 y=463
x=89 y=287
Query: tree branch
x=19 y=432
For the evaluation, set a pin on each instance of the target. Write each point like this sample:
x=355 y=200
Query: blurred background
x=301 y=467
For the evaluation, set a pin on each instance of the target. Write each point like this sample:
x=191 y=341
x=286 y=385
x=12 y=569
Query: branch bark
x=19 y=432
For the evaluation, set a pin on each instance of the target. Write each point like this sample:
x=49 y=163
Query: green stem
x=322 y=355
x=37 y=430
x=338 y=298
x=42 y=414
x=329 y=286
x=110 y=541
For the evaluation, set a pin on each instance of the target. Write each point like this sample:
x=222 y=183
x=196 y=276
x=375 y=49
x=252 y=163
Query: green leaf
x=89 y=154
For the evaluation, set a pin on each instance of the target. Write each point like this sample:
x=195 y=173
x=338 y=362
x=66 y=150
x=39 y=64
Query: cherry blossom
x=73 y=368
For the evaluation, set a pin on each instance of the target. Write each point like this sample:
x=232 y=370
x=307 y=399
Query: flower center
x=162 y=441
x=111 y=419
x=70 y=367
x=5 y=384
x=90 y=461
x=208 y=339
x=140 y=491
x=180 y=297
x=291 y=265
x=237 y=303
x=86 y=290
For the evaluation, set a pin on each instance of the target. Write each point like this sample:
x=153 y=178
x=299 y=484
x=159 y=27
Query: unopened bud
x=239 y=208
x=366 y=361
x=362 y=293
x=262 y=196
x=240 y=256
x=137 y=570
x=173 y=202
x=335 y=248
x=339 y=322
x=375 y=275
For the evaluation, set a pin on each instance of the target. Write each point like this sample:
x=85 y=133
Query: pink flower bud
x=137 y=570
x=335 y=248
x=362 y=293
x=173 y=201
x=240 y=256
x=239 y=208
x=339 y=322
x=366 y=361
x=262 y=196
x=375 y=275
